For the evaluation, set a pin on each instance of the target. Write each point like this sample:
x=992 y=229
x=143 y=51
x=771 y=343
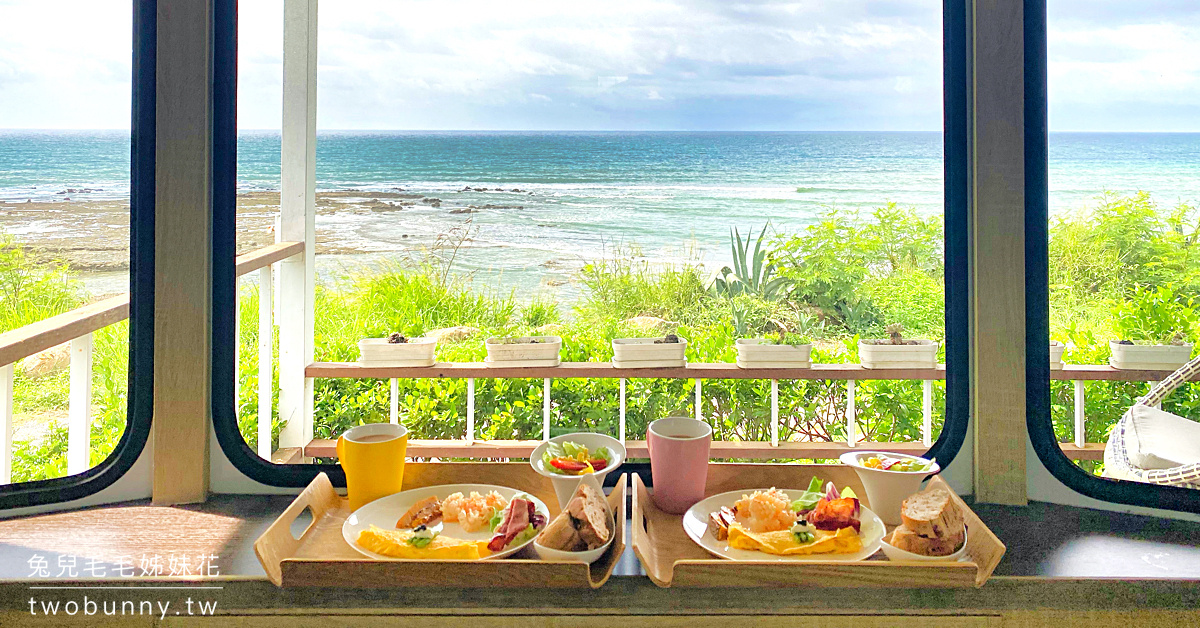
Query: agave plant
x=751 y=272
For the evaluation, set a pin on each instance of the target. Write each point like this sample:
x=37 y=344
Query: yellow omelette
x=783 y=542
x=395 y=543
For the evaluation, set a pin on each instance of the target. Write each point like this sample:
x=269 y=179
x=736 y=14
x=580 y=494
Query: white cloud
x=430 y=64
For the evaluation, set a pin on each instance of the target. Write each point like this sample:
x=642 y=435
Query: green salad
x=570 y=458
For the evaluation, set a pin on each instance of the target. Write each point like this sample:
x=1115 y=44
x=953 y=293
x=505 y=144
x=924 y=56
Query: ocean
x=541 y=204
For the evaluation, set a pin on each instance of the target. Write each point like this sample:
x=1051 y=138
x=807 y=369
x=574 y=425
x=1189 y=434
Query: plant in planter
x=1056 y=355
x=896 y=352
x=396 y=349
x=784 y=350
x=523 y=351
x=666 y=351
x=1152 y=325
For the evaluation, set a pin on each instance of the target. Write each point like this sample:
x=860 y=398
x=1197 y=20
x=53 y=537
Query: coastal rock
x=433 y=202
x=463 y=210
x=651 y=323
x=46 y=362
x=452 y=334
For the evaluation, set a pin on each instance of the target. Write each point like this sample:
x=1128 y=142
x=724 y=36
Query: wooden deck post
x=998 y=253
x=297 y=219
x=183 y=252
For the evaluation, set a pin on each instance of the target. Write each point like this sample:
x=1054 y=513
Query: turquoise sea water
x=669 y=195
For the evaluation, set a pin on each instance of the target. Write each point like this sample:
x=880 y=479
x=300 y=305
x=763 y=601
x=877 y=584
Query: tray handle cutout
x=278 y=542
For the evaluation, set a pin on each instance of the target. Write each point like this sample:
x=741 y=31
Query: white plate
x=695 y=523
x=383 y=513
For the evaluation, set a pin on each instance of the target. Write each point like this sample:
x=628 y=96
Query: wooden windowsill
x=1058 y=557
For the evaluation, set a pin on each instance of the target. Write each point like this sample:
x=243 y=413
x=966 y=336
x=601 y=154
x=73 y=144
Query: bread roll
x=560 y=534
x=909 y=541
x=932 y=514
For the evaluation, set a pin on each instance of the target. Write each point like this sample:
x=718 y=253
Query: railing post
x=297 y=219
x=546 y=409
x=1080 y=428
x=394 y=401
x=6 y=423
x=851 y=427
x=697 y=402
x=470 y=410
x=266 y=362
x=79 y=411
x=774 y=413
x=621 y=425
x=927 y=412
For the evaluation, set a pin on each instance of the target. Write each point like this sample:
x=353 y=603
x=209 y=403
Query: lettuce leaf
x=808 y=500
x=524 y=535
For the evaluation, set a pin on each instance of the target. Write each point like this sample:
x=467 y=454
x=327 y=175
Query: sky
x=616 y=64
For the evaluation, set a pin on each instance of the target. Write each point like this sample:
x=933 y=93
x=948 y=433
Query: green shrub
x=911 y=298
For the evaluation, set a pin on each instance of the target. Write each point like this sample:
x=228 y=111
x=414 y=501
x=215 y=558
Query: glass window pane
x=65 y=85
x=1124 y=83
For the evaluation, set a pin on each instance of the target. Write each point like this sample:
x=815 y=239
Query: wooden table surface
x=1060 y=559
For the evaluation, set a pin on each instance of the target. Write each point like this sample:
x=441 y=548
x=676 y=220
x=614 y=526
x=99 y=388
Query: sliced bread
x=590 y=512
x=910 y=541
x=932 y=514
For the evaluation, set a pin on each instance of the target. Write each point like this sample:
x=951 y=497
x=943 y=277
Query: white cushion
x=1161 y=440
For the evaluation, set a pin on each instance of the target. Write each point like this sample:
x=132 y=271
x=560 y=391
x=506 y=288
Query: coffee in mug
x=679 y=448
x=373 y=458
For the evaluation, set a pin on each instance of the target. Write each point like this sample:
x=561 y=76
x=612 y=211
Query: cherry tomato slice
x=568 y=465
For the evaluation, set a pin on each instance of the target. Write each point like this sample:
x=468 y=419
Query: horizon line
x=269 y=130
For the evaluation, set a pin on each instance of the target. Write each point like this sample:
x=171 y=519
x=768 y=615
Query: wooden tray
x=322 y=558
x=671 y=558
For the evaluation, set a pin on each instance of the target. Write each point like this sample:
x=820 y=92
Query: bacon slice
x=516 y=519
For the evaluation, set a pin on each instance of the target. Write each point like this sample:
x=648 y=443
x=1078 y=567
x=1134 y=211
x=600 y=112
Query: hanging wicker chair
x=1150 y=445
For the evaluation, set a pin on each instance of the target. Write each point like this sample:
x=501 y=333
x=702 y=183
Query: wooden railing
x=469 y=447
x=77 y=327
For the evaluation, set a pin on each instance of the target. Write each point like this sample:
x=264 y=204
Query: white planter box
x=922 y=355
x=523 y=351
x=1149 y=357
x=761 y=353
x=380 y=352
x=647 y=353
x=1056 y=355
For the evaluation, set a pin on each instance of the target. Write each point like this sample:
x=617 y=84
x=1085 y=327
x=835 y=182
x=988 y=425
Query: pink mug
x=678 y=462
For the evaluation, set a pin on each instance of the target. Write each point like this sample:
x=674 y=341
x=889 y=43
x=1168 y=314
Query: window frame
x=1039 y=423
x=139 y=403
x=956 y=115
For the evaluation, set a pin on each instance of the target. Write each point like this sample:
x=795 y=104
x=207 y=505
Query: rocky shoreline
x=92 y=236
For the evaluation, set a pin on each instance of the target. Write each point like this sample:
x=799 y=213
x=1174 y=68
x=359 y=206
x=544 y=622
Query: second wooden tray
x=672 y=559
x=320 y=557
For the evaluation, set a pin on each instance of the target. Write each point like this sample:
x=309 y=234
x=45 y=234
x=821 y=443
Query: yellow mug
x=373 y=458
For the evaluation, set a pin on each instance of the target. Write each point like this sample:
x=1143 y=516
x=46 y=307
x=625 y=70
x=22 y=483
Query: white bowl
x=895 y=553
x=586 y=556
x=565 y=485
x=887 y=490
